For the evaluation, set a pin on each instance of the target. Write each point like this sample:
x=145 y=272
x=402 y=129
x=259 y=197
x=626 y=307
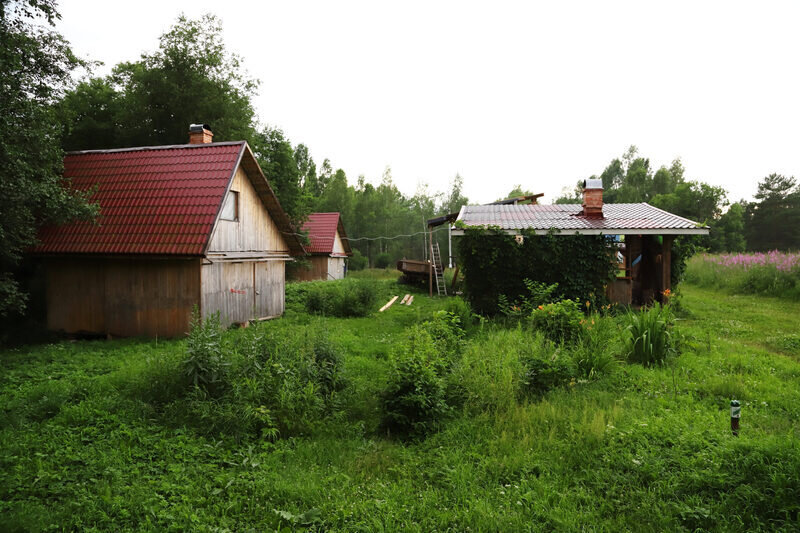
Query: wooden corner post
x=666 y=265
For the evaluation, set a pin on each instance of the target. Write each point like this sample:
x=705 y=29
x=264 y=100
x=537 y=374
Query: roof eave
x=597 y=231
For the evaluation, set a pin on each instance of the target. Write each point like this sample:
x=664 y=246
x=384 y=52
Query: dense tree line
x=770 y=222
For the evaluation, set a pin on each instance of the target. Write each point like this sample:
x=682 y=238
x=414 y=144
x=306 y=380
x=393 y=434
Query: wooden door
x=270 y=287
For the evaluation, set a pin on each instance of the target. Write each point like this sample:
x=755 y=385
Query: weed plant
x=414 y=402
x=561 y=321
x=204 y=366
x=345 y=298
x=649 y=336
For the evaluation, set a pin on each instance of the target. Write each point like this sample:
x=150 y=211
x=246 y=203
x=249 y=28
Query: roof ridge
x=698 y=224
x=159 y=147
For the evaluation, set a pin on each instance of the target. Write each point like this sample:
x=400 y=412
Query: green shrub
x=546 y=367
x=356 y=261
x=648 y=335
x=284 y=380
x=414 y=400
x=447 y=334
x=344 y=298
x=383 y=260
x=595 y=352
x=538 y=293
x=204 y=364
x=459 y=308
x=560 y=321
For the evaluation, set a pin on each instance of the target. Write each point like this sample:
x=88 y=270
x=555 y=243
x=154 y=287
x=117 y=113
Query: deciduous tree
x=35 y=67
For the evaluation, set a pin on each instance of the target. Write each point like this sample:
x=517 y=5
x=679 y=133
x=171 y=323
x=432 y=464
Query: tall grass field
x=419 y=418
x=771 y=273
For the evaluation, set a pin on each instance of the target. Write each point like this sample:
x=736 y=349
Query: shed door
x=270 y=279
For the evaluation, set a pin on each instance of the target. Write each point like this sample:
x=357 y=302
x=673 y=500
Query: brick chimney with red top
x=200 y=134
x=593 y=198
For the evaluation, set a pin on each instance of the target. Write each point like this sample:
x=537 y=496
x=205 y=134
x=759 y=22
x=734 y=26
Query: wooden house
x=183 y=226
x=642 y=234
x=327 y=250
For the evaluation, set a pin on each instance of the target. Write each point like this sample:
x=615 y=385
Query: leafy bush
x=344 y=298
x=459 y=308
x=414 y=400
x=560 y=321
x=383 y=260
x=546 y=367
x=447 y=335
x=538 y=293
x=649 y=340
x=204 y=364
x=356 y=261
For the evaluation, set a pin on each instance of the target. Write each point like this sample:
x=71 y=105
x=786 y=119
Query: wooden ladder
x=438 y=270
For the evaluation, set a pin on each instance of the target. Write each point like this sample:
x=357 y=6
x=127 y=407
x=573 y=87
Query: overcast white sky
x=541 y=94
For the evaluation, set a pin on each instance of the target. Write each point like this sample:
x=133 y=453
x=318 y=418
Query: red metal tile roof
x=321 y=229
x=566 y=218
x=155 y=200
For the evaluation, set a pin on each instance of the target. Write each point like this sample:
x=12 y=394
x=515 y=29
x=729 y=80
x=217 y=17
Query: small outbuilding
x=328 y=248
x=641 y=233
x=182 y=226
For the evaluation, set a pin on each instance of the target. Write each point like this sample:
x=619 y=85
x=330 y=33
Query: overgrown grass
x=92 y=436
x=768 y=274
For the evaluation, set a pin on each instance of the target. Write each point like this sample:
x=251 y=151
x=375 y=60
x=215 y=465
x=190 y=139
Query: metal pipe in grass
x=736 y=412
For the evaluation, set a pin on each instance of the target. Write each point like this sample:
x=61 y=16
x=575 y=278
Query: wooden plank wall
x=255 y=230
x=122 y=297
x=228 y=288
x=270 y=293
x=338 y=247
x=318 y=270
x=335 y=267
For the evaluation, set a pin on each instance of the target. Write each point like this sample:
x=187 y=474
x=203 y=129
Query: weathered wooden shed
x=180 y=226
x=641 y=233
x=328 y=248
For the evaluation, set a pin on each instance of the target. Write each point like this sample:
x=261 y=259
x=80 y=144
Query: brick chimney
x=593 y=198
x=200 y=134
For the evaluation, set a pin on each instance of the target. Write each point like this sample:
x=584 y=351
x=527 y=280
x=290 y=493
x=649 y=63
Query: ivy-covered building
x=636 y=238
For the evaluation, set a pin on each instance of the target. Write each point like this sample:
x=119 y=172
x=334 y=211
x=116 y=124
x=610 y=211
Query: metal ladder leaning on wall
x=438 y=270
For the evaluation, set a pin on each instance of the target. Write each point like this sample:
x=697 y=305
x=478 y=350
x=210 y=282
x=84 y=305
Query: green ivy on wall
x=495 y=263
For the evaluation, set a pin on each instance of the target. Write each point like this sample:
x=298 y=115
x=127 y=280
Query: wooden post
x=430 y=276
x=430 y=266
x=666 y=265
x=455 y=278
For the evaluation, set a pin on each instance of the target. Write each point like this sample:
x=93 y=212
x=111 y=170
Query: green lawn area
x=84 y=447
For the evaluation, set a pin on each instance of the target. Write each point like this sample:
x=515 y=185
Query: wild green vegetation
x=419 y=418
x=770 y=274
x=498 y=270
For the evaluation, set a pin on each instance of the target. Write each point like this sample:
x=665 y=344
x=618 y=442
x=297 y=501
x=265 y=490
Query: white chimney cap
x=593 y=184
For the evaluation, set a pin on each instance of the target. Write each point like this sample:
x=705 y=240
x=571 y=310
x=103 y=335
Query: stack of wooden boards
x=407 y=299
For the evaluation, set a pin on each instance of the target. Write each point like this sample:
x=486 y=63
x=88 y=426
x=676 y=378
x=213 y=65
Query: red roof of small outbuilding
x=160 y=200
x=322 y=229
